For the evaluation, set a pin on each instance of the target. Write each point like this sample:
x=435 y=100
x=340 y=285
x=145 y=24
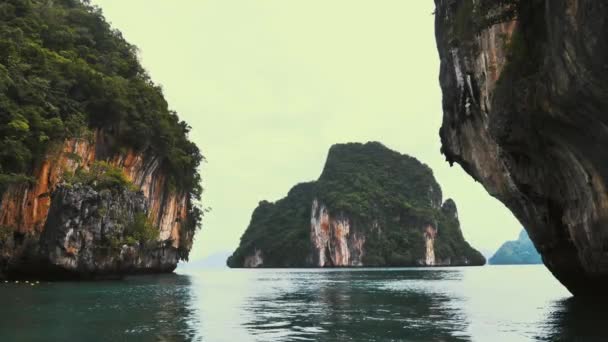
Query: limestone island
x=98 y=178
x=371 y=207
x=517 y=252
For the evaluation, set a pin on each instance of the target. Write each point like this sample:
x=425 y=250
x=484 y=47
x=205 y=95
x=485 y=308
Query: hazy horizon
x=268 y=86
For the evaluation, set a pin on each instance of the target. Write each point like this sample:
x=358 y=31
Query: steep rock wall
x=334 y=243
x=524 y=101
x=24 y=208
x=429 y=243
x=91 y=234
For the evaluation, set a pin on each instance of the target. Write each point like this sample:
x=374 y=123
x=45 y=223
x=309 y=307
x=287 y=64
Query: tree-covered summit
x=64 y=72
x=378 y=176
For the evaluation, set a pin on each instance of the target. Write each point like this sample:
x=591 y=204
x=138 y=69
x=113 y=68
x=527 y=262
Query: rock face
x=24 y=207
x=429 y=244
x=524 y=101
x=370 y=207
x=332 y=241
x=517 y=252
x=89 y=234
x=25 y=216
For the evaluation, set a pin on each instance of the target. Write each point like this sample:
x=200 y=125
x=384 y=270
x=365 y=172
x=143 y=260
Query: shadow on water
x=365 y=305
x=576 y=319
x=143 y=308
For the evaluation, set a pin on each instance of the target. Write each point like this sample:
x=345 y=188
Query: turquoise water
x=492 y=303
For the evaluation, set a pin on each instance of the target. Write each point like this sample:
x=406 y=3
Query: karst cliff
x=370 y=207
x=97 y=176
x=524 y=101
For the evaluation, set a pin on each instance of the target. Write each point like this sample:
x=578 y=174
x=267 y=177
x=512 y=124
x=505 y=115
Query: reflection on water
x=343 y=305
x=482 y=304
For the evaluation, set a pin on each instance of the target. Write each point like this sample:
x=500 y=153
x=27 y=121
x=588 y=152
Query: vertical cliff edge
x=370 y=207
x=524 y=101
x=97 y=175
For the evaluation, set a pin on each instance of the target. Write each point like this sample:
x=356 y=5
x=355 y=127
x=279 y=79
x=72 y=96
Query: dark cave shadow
x=577 y=319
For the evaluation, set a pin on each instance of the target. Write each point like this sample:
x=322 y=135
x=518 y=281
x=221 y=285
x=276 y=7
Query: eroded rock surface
x=524 y=100
x=333 y=244
x=24 y=212
x=91 y=234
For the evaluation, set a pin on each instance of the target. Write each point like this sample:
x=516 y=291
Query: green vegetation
x=368 y=183
x=101 y=175
x=65 y=72
x=5 y=233
x=359 y=179
x=280 y=229
x=450 y=242
x=8 y=179
x=138 y=231
x=471 y=17
x=141 y=230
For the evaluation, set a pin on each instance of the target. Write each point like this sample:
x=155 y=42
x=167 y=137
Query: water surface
x=492 y=303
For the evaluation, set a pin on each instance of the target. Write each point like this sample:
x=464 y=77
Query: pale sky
x=269 y=85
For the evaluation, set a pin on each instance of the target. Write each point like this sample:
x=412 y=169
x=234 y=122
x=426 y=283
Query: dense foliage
x=100 y=175
x=141 y=230
x=362 y=179
x=65 y=72
x=366 y=183
x=520 y=251
x=280 y=229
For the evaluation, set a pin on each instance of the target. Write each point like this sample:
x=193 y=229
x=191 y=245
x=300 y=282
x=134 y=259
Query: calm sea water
x=492 y=303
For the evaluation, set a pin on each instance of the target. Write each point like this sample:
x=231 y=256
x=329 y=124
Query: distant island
x=371 y=206
x=518 y=252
